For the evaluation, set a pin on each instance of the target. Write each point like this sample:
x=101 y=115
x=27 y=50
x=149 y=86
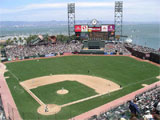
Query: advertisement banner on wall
x=84 y=28
x=104 y=28
x=77 y=28
x=50 y=55
x=111 y=27
x=94 y=29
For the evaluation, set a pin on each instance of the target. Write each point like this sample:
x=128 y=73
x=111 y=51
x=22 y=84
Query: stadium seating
x=145 y=102
x=2 y=114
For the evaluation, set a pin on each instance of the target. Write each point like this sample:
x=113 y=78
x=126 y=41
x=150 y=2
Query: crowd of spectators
x=2 y=114
x=142 y=49
x=25 y=51
x=13 y=52
x=118 y=47
x=145 y=106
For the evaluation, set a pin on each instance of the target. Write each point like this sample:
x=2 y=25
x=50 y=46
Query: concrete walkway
x=7 y=100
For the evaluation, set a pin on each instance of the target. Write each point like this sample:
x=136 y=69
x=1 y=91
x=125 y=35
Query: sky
x=47 y=10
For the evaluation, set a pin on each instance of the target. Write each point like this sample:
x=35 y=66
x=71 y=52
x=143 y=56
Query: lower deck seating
x=146 y=104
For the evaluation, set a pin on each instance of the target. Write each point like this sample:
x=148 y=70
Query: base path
x=32 y=94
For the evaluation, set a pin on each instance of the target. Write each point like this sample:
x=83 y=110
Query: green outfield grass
x=48 y=93
x=125 y=71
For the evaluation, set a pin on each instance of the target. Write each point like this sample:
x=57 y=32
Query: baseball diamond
x=91 y=81
x=76 y=64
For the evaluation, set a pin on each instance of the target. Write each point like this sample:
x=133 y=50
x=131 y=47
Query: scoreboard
x=103 y=32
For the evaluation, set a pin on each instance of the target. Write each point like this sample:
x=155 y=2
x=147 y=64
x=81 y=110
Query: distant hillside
x=30 y=24
x=54 y=23
x=42 y=23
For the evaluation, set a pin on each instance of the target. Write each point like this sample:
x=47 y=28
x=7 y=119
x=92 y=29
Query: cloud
x=32 y=7
x=94 y=4
x=56 y=5
x=133 y=10
x=128 y=5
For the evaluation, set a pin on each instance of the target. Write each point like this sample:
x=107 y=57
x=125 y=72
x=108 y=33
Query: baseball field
x=63 y=87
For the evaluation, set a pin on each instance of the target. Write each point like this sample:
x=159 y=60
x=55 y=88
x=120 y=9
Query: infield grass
x=125 y=71
x=48 y=93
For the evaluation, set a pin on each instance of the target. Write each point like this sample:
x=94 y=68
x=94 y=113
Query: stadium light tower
x=71 y=18
x=118 y=18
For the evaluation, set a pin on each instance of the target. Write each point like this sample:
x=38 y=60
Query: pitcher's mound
x=63 y=91
x=48 y=109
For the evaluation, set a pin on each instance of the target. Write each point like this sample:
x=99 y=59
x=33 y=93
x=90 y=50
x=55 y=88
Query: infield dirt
x=100 y=85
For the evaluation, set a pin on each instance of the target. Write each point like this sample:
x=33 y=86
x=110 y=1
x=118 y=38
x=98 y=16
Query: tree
x=62 y=38
x=8 y=41
x=45 y=37
x=20 y=39
x=31 y=38
x=14 y=39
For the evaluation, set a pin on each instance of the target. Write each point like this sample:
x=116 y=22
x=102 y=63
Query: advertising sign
x=111 y=27
x=49 y=55
x=147 y=55
x=77 y=28
x=94 y=29
x=84 y=28
x=104 y=28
